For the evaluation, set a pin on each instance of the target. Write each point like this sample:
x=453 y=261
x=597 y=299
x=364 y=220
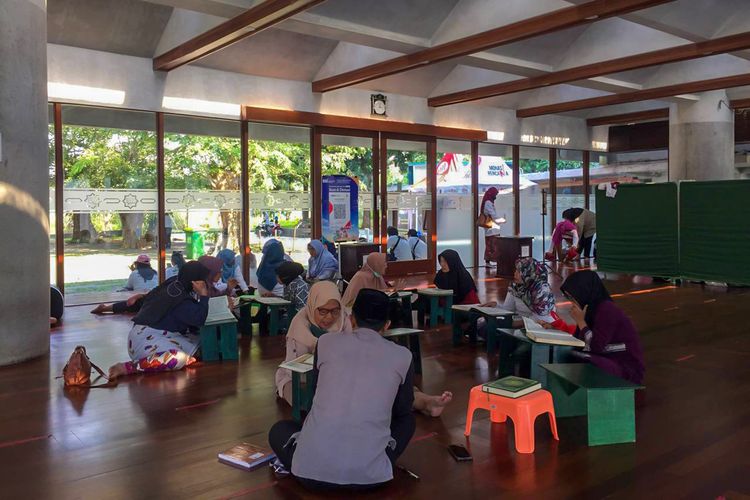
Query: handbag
x=77 y=371
x=484 y=221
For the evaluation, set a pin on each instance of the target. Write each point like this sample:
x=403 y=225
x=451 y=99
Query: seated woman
x=369 y=276
x=296 y=289
x=417 y=245
x=231 y=269
x=164 y=334
x=322 y=313
x=531 y=296
x=216 y=285
x=142 y=277
x=273 y=257
x=454 y=276
x=322 y=265
x=612 y=342
x=177 y=261
x=361 y=420
x=564 y=230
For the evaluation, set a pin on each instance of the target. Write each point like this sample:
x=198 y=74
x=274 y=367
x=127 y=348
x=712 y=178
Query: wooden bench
x=436 y=310
x=409 y=338
x=302 y=396
x=219 y=341
x=271 y=305
x=608 y=401
x=494 y=317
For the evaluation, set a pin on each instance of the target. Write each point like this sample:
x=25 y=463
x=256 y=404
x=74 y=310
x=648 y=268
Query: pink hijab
x=365 y=278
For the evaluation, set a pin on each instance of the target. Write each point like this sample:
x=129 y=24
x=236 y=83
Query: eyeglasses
x=329 y=312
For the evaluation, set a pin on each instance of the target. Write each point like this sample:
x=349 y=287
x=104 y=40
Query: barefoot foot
x=436 y=404
x=118 y=370
x=100 y=309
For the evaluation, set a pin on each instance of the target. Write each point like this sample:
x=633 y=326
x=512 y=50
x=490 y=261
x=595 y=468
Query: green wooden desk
x=302 y=395
x=404 y=298
x=511 y=338
x=409 y=338
x=219 y=341
x=494 y=317
x=434 y=295
x=608 y=401
x=270 y=304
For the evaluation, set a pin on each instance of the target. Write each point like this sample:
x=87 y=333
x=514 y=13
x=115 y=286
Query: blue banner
x=340 y=208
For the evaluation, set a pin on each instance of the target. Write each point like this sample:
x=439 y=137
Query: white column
x=701 y=138
x=24 y=191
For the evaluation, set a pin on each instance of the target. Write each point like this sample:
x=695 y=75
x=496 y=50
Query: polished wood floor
x=157 y=436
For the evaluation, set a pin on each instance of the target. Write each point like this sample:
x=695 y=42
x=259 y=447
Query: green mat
x=715 y=231
x=637 y=230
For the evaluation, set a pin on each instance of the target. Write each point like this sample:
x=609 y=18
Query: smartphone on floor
x=459 y=453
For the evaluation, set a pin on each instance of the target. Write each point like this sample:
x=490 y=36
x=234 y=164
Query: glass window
x=352 y=156
x=455 y=213
x=570 y=191
x=203 y=201
x=496 y=170
x=52 y=220
x=279 y=177
x=534 y=170
x=109 y=199
x=409 y=193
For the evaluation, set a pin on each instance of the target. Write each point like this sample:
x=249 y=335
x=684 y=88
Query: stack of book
x=511 y=387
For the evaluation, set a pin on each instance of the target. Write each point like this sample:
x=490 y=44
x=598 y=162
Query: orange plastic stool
x=523 y=411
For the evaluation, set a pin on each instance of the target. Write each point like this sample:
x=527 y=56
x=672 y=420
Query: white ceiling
x=340 y=35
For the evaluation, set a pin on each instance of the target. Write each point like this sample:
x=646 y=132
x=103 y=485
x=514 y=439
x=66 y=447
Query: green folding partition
x=637 y=230
x=715 y=231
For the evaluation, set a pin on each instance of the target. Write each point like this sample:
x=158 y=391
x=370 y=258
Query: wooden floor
x=157 y=436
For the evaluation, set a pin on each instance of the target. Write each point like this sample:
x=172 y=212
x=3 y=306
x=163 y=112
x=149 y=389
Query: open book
x=218 y=311
x=489 y=311
x=301 y=364
x=538 y=333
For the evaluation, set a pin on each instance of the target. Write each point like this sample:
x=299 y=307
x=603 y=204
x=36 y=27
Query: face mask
x=377 y=275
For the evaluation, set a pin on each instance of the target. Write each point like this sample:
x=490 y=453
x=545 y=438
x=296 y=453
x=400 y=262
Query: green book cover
x=511 y=385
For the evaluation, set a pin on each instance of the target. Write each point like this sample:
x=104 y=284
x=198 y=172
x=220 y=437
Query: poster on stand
x=340 y=207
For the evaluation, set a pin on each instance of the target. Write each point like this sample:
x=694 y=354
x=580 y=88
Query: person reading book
x=296 y=289
x=164 y=333
x=612 y=342
x=323 y=312
x=454 y=276
x=216 y=286
x=361 y=420
x=530 y=295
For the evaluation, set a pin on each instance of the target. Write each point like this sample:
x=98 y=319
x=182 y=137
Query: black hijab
x=162 y=299
x=145 y=270
x=588 y=290
x=288 y=271
x=457 y=279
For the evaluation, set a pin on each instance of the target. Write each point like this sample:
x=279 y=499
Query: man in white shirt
x=397 y=245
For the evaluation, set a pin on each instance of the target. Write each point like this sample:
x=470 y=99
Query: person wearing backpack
x=417 y=245
x=164 y=334
x=398 y=247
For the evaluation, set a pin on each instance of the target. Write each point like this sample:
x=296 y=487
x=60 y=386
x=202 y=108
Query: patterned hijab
x=533 y=290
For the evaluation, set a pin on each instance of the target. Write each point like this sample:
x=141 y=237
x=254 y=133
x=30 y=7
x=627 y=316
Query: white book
x=435 y=291
x=538 y=333
x=489 y=311
x=218 y=311
x=301 y=364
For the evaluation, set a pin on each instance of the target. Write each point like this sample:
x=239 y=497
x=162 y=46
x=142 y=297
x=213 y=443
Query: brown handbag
x=77 y=371
x=484 y=221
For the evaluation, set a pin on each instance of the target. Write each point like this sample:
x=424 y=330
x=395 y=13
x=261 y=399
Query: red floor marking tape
x=685 y=358
x=241 y=493
x=198 y=405
x=22 y=441
x=422 y=438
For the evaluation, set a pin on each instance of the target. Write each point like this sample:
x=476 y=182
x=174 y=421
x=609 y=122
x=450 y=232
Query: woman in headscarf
x=531 y=296
x=454 y=276
x=612 y=342
x=369 y=276
x=296 y=290
x=565 y=230
x=177 y=262
x=273 y=257
x=164 y=334
x=322 y=265
x=231 y=269
x=216 y=287
x=324 y=312
x=142 y=277
x=491 y=224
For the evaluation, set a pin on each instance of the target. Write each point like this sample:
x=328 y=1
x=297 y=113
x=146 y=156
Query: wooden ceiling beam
x=725 y=82
x=740 y=103
x=626 y=118
x=527 y=28
x=254 y=20
x=685 y=52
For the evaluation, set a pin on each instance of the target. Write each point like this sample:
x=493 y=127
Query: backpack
x=77 y=371
x=391 y=257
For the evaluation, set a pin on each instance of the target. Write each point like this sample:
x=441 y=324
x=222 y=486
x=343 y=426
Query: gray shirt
x=345 y=435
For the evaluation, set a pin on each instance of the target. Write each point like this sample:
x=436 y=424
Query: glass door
x=408 y=219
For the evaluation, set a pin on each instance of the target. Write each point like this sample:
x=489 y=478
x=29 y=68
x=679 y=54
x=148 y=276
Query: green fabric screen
x=715 y=231
x=637 y=230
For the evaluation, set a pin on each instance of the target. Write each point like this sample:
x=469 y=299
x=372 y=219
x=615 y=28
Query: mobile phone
x=459 y=453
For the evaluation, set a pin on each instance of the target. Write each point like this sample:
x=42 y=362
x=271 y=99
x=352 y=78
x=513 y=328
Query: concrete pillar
x=24 y=191
x=701 y=138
